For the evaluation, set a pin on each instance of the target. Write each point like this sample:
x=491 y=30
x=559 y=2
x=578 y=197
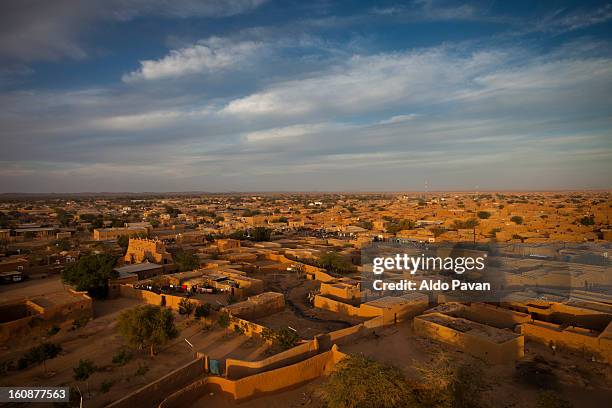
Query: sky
x=293 y=95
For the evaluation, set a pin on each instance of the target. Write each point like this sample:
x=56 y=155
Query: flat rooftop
x=389 y=301
x=56 y=299
x=145 y=266
x=472 y=328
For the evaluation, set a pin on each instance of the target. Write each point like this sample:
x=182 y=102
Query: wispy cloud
x=432 y=10
x=211 y=55
x=563 y=20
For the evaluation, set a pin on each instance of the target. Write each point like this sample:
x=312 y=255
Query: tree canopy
x=147 y=326
x=91 y=273
x=483 y=215
x=359 y=382
x=399 y=225
x=517 y=219
x=186 y=261
x=186 y=307
x=261 y=234
x=460 y=224
x=84 y=370
x=334 y=262
x=447 y=385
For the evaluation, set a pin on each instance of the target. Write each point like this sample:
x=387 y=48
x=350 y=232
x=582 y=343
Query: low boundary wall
x=571 y=338
x=496 y=353
x=258 y=384
x=153 y=393
x=152 y=298
x=236 y=369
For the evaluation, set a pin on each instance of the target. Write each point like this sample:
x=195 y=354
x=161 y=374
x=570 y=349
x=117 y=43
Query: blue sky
x=256 y=95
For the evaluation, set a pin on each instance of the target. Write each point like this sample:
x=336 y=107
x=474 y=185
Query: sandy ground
x=306 y=328
x=306 y=395
x=99 y=342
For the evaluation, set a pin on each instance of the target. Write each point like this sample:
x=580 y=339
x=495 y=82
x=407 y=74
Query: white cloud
x=136 y=122
x=280 y=134
x=432 y=78
x=398 y=119
x=211 y=55
x=367 y=83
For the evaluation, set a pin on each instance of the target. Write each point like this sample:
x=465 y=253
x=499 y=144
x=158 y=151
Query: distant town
x=261 y=299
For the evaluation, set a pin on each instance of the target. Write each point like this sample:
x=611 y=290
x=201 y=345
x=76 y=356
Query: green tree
x=285 y=338
x=186 y=261
x=123 y=241
x=147 y=326
x=261 y=234
x=444 y=385
x=396 y=226
x=83 y=371
x=174 y=212
x=63 y=217
x=186 y=307
x=122 y=357
x=359 y=382
x=202 y=311
x=483 y=215
x=587 y=220
x=517 y=219
x=332 y=261
x=472 y=223
x=224 y=320
x=91 y=273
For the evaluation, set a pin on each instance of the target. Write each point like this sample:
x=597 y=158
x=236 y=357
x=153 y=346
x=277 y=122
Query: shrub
x=517 y=219
x=122 y=357
x=186 y=261
x=39 y=355
x=224 y=320
x=186 y=307
x=142 y=369
x=361 y=382
x=106 y=386
x=202 y=311
x=285 y=338
x=483 y=215
x=445 y=385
